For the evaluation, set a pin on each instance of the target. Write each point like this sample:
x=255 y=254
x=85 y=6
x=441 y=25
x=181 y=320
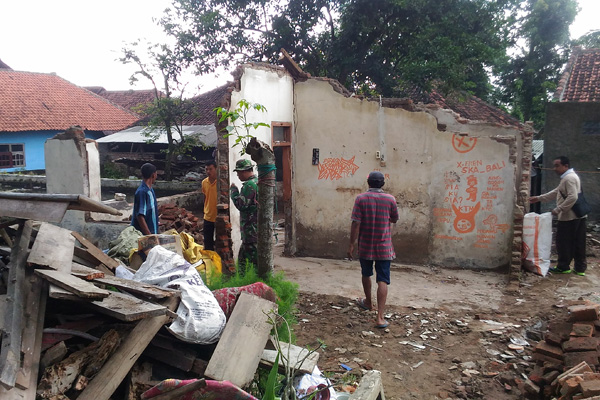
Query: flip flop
x=381 y=326
x=361 y=304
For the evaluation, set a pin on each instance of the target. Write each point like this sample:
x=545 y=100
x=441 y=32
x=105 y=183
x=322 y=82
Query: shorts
x=382 y=267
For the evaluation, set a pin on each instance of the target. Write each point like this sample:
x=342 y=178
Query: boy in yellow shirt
x=209 y=188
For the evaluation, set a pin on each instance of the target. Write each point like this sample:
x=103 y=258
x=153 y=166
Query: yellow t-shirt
x=210 y=200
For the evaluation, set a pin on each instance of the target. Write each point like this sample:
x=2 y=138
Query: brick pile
x=567 y=358
x=180 y=219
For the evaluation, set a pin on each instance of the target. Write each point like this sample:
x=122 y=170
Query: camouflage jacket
x=246 y=201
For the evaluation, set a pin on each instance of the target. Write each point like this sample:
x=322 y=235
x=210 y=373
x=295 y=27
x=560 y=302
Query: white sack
x=200 y=319
x=537 y=241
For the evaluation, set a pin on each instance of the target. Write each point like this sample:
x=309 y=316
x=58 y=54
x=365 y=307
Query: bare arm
x=142 y=221
x=354 y=229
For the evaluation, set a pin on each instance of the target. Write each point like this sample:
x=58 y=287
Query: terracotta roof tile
x=36 y=101
x=204 y=105
x=580 y=81
x=128 y=99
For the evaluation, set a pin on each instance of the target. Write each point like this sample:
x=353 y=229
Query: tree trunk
x=169 y=155
x=264 y=157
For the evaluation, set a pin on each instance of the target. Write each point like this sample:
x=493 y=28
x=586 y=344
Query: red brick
x=545 y=359
x=580 y=344
x=571 y=386
x=554 y=339
x=583 y=313
x=590 y=388
x=561 y=328
x=549 y=377
x=582 y=330
x=549 y=350
x=574 y=358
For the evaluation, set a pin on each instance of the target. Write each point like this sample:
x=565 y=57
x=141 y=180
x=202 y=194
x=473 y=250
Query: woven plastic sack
x=200 y=319
x=537 y=242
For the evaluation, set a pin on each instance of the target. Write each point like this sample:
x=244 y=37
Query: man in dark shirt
x=145 y=208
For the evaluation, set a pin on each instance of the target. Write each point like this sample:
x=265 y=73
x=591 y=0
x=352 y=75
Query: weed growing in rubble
x=287 y=293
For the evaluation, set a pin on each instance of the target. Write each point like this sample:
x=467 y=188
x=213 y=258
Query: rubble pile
x=567 y=358
x=180 y=219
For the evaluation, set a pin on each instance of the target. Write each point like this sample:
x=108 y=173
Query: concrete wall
x=573 y=130
x=273 y=88
x=455 y=190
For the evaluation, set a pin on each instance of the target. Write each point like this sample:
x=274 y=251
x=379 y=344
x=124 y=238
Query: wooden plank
x=127 y=308
x=34 y=324
x=171 y=353
x=37 y=210
x=293 y=357
x=73 y=284
x=59 y=293
x=53 y=355
x=119 y=364
x=3 y=307
x=369 y=388
x=239 y=350
x=53 y=247
x=83 y=257
x=10 y=354
x=83 y=272
x=96 y=252
x=139 y=288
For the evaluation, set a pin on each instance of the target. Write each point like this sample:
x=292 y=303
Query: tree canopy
x=506 y=51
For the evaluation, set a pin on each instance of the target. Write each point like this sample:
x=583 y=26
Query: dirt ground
x=449 y=331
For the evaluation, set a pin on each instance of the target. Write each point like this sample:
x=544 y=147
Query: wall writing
x=337 y=168
x=472 y=190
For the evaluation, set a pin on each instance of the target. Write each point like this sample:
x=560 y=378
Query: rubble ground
x=452 y=333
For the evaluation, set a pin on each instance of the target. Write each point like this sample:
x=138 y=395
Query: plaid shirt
x=374 y=209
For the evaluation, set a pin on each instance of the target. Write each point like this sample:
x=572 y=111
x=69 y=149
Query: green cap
x=243 y=165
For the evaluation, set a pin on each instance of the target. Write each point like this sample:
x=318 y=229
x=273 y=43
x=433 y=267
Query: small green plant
x=238 y=122
x=111 y=171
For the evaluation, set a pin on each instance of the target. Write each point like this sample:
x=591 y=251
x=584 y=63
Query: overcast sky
x=80 y=40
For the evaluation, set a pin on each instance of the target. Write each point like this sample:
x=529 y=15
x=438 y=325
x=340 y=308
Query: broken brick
x=590 y=388
x=571 y=386
x=561 y=328
x=580 y=344
x=549 y=350
x=576 y=357
x=583 y=313
x=554 y=339
x=582 y=330
x=550 y=377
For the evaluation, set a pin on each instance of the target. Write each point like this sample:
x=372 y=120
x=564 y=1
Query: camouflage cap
x=243 y=165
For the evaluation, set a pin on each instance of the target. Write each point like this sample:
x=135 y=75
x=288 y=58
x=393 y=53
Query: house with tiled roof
x=131 y=100
x=36 y=106
x=572 y=125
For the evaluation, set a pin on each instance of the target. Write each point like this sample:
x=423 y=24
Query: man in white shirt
x=570 y=229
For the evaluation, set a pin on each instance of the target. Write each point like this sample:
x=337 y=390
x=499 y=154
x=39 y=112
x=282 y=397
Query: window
x=12 y=155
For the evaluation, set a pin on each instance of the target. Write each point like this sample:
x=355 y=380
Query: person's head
x=561 y=165
x=149 y=172
x=244 y=169
x=376 y=180
x=211 y=170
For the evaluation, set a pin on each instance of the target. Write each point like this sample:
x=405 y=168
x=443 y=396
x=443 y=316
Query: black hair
x=147 y=170
x=564 y=160
x=210 y=162
x=376 y=183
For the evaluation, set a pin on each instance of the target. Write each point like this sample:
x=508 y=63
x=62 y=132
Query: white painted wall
x=272 y=88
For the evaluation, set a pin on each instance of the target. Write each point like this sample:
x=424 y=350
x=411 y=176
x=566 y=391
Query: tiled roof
x=35 y=101
x=467 y=106
x=4 y=66
x=204 y=105
x=128 y=99
x=581 y=80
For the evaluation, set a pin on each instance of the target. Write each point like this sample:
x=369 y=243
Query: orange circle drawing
x=463 y=144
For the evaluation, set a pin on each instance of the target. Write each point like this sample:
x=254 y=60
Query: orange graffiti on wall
x=465 y=221
x=463 y=144
x=336 y=168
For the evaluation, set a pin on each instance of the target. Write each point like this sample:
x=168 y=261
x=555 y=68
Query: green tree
x=168 y=110
x=528 y=79
x=373 y=46
x=590 y=40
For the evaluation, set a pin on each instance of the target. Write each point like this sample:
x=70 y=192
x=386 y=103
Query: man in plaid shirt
x=372 y=216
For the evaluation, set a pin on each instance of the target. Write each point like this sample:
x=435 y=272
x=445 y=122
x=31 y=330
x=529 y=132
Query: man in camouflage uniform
x=246 y=201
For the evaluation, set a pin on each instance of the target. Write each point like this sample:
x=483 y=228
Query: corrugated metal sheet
x=207 y=135
x=537 y=148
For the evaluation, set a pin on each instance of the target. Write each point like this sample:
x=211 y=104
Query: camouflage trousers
x=248 y=251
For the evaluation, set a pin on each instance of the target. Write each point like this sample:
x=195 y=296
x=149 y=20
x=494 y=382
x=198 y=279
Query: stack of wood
x=180 y=219
x=568 y=356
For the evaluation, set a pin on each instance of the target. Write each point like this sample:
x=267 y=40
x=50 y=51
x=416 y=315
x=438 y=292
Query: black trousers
x=209 y=235
x=570 y=244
